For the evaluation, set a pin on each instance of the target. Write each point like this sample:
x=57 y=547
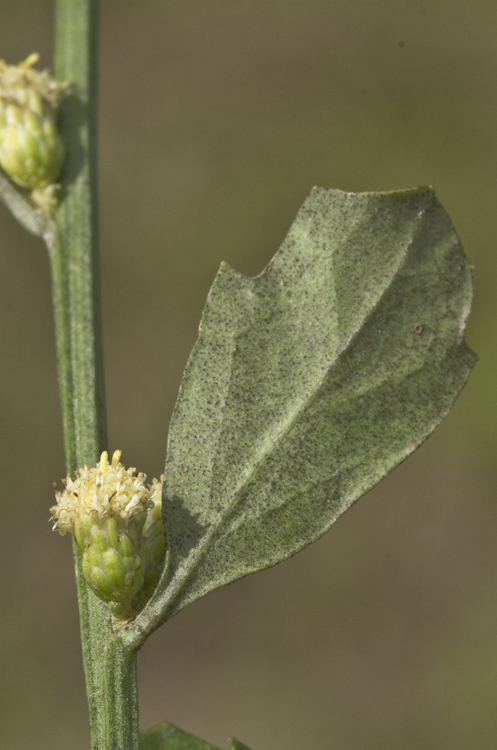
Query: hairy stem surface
x=110 y=669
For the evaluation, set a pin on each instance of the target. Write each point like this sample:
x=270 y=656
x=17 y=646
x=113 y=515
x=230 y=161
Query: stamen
x=103 y=462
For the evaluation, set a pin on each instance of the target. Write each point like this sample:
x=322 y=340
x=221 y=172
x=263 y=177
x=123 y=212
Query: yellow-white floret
x=21 y=84
x=107 y=490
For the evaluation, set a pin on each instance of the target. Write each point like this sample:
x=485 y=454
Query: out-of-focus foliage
x=216 y=119
x=165 y=736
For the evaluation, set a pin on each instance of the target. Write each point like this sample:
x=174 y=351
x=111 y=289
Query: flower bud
x=117 y=522
x=154 y=545
x=31 y=149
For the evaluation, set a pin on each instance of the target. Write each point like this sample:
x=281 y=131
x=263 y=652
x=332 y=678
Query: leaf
x=31 y=219
x=165 y=736
x=308 y=384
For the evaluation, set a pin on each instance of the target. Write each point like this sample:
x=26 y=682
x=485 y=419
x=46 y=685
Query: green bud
x=154 y=546
x=31 y=149
x=114 y=571
x=117 y=522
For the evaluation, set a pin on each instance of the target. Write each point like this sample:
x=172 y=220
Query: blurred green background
x=216 y=118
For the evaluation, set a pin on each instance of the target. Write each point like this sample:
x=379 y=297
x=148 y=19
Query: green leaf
x=165 y=736
x=309 y=383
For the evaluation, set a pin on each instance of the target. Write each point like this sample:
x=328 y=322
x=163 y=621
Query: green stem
x=110 y=668
x=74 y=251
x=120 y=697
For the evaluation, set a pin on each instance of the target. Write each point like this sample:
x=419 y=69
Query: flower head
x=104 y=491
x=31 y=149
x=117 y=521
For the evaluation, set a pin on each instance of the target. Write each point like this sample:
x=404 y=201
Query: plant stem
x=110 y=669
x=75 y=248
x=120 y=697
